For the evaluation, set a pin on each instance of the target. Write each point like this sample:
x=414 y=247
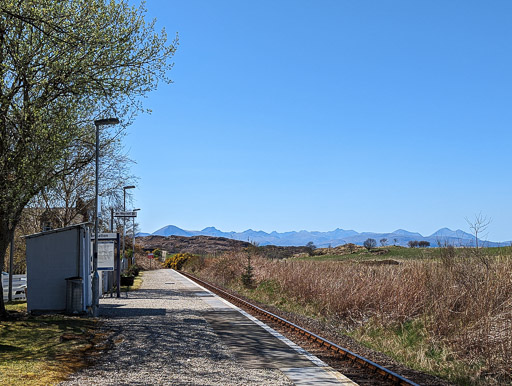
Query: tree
x=383 y=242
x=310 y=246
x=70 y=199
x=64 y=64
x=478 y=224
x=369 y=244
x=424 y=244
x=413 y=244
x=248 y=275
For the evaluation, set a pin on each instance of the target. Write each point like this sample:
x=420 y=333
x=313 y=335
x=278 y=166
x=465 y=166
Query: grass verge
x=44 y=349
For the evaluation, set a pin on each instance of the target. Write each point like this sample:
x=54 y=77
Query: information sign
x=125 y=214
x=105 y=255
x=105 y=236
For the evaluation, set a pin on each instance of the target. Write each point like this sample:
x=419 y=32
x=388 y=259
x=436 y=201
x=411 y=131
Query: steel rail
x=345 y=353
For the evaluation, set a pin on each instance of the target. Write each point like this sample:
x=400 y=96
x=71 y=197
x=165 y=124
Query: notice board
x=105 y=255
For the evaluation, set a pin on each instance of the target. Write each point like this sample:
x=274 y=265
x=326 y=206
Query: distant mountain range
x=443 y=236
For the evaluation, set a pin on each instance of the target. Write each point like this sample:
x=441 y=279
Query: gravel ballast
x=160 y=337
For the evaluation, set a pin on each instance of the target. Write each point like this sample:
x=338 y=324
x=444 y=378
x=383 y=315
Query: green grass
x=403 y=253
x=16 y=306
x=44 y=349
x=505 y=252
x=270 y=292
x=391 y=252
x=409 y=344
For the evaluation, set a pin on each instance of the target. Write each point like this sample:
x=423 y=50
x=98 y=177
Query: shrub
x=177 y=261
x=225 y=269
x=351 y=247
x=310 y=248
x=195 y=263
x=369 y=244
x=413 y=244
x=133 y=270
x=248 y=276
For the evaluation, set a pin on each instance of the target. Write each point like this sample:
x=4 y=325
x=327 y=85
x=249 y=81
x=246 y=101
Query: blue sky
x=364 y=115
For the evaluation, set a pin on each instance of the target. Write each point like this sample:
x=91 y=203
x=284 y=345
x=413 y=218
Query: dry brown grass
x=224 y=269
x=461 y=305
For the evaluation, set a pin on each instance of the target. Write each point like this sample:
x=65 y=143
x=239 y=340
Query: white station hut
x=59 y=270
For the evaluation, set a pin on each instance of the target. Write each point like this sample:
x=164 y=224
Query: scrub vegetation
x=445 y=311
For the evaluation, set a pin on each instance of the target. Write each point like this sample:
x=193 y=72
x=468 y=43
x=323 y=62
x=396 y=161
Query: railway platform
x=173 y=331
x=257 y=346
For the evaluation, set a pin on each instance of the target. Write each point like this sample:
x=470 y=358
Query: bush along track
x=178 y=260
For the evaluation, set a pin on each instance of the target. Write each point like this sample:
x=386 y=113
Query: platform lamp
x=125 y=188
x=95 y=277
x=133 y=244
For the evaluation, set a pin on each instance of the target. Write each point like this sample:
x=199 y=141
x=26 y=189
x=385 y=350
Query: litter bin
x=74 y=295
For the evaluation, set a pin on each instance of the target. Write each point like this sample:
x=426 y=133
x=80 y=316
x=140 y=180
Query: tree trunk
x=7 y=228
x=5 y=239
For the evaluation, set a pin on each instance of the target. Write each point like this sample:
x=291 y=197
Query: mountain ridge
x=338 y=236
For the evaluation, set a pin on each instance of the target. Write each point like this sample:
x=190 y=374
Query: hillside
x=194 y=244
x=213 y=245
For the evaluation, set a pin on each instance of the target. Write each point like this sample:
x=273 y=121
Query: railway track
x=356 y=367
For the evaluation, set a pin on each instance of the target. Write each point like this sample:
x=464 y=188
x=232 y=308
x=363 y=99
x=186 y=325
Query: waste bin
x=74 y=295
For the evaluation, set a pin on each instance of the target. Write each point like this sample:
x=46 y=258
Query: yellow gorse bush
x=177 y=261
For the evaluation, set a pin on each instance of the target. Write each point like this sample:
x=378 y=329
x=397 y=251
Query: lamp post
x=96 y=278
x=124 y=218
x=133 y=244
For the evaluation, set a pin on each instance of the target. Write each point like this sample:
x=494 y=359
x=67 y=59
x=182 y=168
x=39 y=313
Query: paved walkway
x=173 y=332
